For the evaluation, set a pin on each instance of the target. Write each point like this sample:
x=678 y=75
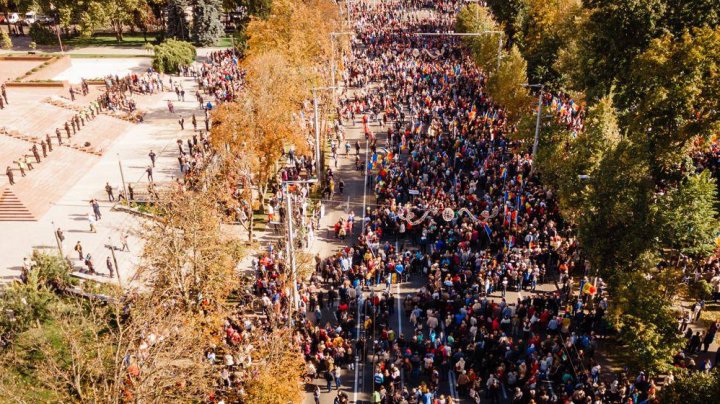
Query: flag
x=503 y=173
x=487 y=228
x=589 y=289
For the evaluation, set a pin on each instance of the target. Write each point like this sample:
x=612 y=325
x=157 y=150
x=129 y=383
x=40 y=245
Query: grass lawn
x=107 y=56
x=109 y=40
x=131 y=40
x=225 y=42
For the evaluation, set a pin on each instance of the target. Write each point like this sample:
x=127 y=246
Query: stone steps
x=12 y=209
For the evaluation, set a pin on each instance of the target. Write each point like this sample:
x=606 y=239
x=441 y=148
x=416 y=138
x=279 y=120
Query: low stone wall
x=38 y=84
x=52 y=69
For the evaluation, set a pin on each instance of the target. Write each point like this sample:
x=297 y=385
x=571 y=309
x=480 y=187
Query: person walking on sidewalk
x=109 y=191
x=11 y=177
x=109 y=264
x=78 y=248
x=152 y=156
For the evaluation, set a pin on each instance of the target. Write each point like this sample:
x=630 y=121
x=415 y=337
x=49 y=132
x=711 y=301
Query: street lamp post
x=470 y=34
x=537 y=122
x=316 y=119
x=290 y=246
x=367 y=148
x=122 y=178
x=57 y=240
x=117 y=268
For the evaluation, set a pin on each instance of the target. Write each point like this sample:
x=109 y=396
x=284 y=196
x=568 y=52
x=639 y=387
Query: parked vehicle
x=13 y=18
x=30 y=17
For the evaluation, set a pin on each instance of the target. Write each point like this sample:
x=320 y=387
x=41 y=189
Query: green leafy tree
x=615 y=32
x=645 y=320
x=673 y=95
x=692 y=388
x=24 y=305
x=170 y=55
x=207 y=28
x=472 y=19
x=512 y=14
x=5 y=41
x=615 y=227
x=506 y=85
x=550 y=26
x=687 y=216
x=177 y=24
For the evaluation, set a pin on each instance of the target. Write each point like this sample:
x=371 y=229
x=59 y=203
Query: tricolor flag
x=589 y=289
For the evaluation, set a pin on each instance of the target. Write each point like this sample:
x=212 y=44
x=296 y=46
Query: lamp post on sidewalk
x=117 y=268
x=290 y=245
x=537 y=122
x=316 y=119
x=57 y=240
x=122 y=178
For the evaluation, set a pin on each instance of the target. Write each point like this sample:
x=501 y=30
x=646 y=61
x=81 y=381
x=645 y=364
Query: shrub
x=701 y=289
x=693 y=388
x=171 y=55
x=5 y=41
x=42 y=35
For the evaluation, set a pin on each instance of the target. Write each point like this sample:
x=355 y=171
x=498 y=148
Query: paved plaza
x=58 y=191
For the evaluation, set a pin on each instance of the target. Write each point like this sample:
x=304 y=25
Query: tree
x=692 y=388
x=484 y=48
x=5 y=41
x=207 y=28
x=186 y=258
x=120 y=14
x=177 y=25
x=615 y=32
x=279 y=367
x=260 y=126
x=300 y=31
x=615 y=228
x=170 y=55
x=645 y=319
x=506 y=86
x=549 y=27
x=673 y=95
x=687 y=216
x=511 y=14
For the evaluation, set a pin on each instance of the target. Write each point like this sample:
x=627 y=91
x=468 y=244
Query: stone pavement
x=69 y=209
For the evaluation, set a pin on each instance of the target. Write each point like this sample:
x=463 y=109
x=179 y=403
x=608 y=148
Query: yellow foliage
x=278 y=371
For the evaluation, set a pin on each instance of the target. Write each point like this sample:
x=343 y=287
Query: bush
x=42 y=35
x=171 y=55
x=701 y=290
x=5 y=41
x=53 y=272
x=693 y=388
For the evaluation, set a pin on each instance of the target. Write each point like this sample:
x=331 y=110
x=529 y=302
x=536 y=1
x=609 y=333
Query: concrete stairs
x=12 y=209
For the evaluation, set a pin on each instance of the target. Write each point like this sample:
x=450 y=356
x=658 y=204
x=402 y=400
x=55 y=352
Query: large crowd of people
x=471 y=221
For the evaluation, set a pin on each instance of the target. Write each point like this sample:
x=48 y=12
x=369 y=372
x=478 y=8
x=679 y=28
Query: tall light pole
x=367 y=148
x=290 y=241
x=316 y=119
x=117 y=268
x=57 y=240
x=537 y=122
x=122 y=178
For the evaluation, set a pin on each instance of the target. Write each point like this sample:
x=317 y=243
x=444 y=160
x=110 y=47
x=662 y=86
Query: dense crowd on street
x=459 y=197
